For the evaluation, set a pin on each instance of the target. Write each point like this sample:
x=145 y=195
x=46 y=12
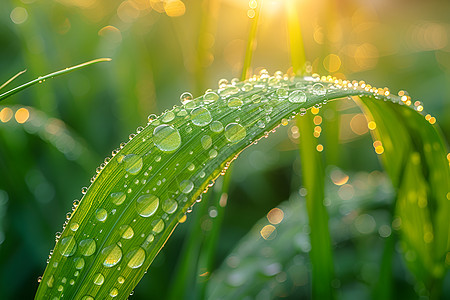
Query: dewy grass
x=138 y=196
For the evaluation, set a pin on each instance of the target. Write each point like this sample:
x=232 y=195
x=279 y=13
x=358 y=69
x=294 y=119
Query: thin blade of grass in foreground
x=41 y=79
x=12 y=78
x=140 y=195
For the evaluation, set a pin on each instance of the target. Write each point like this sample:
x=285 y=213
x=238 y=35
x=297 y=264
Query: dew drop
x=234 y=102
x=169 y=206
x=186 y=97
x=151 y=118
x=150 y=238
x=319 y=89
x=79 y=263
x=50 y=281
x=206 y=142
x=99 y=279
x=166 y=138
x=114 y=292
x=186 y=186
x=247 y=87
x=118 y=198
x=101 y=214
x=68 y=246
x=84 y=190
x=200 y=116
x=297 y=97
x=211 y=96
x=212 y=153
x=132 y=163
x=228 y=91
x=113 y=255
x=191 y=167
x=234 y=132
x=74 y=226
x=135 y=258
x=260 y=124
x=146 y=205
x=159 y=226
x=126 y=232
x=87 y=297
x=87 y=247
x=168 y=116
x=120 y=279
x=282 y=93
x=216 y=126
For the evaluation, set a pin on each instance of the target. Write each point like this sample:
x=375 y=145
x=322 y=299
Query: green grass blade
x=313 y=175
x=251 y=41
x=422 y=179
x=48 y=76
x=274 y=252
x=139 y=196
x=11 y=79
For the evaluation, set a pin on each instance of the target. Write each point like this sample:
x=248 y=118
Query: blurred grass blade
x=48 y=76
x=51 y=130
x=140 y=195
x=12 y=78
x=422 y=179
x=251 y=41
x=313 y=176
x=274 y=254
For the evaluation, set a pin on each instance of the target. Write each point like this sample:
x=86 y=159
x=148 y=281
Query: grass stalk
x=251 y=42
x=313 y=177
x=42 y=79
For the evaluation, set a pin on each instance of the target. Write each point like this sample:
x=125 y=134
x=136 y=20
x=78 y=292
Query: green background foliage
x=156 y=57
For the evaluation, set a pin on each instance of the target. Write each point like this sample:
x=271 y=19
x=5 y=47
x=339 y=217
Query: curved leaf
x=145 y=190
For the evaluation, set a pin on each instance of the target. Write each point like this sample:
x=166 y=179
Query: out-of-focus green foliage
x=403 y=45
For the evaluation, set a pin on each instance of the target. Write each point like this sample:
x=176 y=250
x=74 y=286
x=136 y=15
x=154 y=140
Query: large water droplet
x=132 y=163
x=120 y=279
x=118 y=198
x=228 y=91
x=186 y=97
x=87 y=297
x=87 y=247
x=247 y=87
x=101 y=214
x=200 y=116
x=146 y=205
x=216 y=126
x=99 y=279
x=68 y=246
x=169 y=206
x=79 y=263
x=135 y=258
x=210 y=97
x=166 y=138
x=297 y=97
x=234 y=132
x=282 y=93
x=126 y=232
x=206 y=142
x=319 y=89
x=234 y=102
x=158 y=227
x=168 y=116
x=113 y=255
x=186 y=186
